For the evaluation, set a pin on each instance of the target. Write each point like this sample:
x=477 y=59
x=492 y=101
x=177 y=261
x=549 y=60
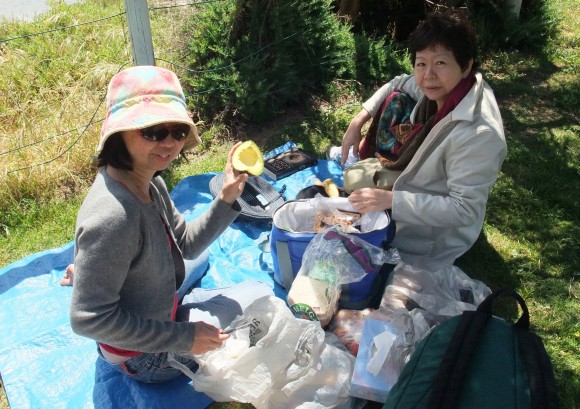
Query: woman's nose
x=429 y=72
x=168 y=141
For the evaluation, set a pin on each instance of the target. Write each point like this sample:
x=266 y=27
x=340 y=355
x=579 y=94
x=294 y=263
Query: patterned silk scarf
x=391 y=134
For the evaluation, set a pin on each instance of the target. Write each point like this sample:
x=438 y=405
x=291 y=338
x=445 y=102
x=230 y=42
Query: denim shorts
x=153 y=367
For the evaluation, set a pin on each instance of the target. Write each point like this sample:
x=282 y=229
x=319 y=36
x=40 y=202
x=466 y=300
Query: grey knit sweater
x=125 y=274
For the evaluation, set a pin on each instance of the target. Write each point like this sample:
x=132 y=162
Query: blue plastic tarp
x=45 y=365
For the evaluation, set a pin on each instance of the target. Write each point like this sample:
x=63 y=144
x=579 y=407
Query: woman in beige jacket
x=438 y=200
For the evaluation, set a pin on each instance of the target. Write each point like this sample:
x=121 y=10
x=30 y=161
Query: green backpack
x=477 y=360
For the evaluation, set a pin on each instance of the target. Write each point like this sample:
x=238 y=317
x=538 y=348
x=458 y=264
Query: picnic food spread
x=345 y=220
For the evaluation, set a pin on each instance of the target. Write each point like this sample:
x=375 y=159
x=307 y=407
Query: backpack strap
x=536 y=359
x=539 y=370
x=455 y=364
x=448 y=383
x=486 y=306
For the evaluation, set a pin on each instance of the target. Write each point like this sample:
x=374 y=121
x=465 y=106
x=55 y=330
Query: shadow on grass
x=482 y=262
x=534 y=206
x=536 y=198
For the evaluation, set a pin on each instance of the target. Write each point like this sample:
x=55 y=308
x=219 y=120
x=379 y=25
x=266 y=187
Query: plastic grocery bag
x=278 y=361
x=440 y=290
x=410 y=327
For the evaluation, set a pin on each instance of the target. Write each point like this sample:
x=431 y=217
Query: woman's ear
x=468 y=68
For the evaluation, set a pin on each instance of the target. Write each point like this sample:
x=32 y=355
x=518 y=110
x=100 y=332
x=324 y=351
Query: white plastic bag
x=441 y=290
x=411 y=327
x=278 y=362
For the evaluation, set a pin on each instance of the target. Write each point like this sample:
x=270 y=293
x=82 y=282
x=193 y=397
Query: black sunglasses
x=157 y=133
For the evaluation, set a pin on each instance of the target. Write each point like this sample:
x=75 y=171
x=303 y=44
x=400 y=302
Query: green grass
x=531 y=238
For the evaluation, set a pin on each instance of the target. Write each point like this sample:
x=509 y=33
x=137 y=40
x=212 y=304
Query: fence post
x=516 y=6
x=140 y=32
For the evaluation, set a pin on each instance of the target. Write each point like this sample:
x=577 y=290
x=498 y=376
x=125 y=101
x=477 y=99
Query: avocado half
x=248 y=158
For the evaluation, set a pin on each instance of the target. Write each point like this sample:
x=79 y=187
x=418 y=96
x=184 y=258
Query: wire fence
x=92 y=121
x=40 y=33
x=83 y=129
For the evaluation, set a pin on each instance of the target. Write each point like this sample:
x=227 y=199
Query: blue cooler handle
x=284 y=264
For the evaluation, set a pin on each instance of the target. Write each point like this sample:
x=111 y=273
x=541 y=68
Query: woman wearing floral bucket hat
x=131 y=282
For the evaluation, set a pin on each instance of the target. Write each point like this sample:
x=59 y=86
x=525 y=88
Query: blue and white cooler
x=295 y=225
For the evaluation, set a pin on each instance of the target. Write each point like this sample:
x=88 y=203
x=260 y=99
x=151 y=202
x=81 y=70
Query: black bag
x=477 y=360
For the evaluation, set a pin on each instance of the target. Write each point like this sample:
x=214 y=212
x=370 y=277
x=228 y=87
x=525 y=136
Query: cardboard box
x=364 y=384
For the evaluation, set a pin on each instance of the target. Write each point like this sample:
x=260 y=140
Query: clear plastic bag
x=412 y=327
x=278 y=362
x=441 y=290
x=416 y=298
x=333 y=259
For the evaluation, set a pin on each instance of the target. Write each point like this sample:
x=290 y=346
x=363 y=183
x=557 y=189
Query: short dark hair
x=115 y=153
x=450 y=29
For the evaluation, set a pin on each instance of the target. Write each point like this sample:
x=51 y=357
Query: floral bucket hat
x=143 y=96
